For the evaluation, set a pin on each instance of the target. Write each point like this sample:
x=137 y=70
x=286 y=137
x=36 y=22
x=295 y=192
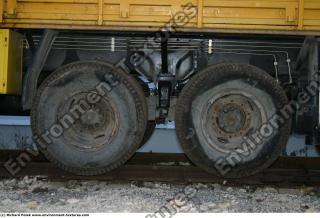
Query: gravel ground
x=38 y=195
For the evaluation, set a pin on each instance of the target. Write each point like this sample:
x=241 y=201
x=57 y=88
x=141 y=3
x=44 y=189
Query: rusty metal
x=231 y=117
x=98 y=126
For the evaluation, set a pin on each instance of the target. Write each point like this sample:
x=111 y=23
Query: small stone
x=185 y=208
x=149 y=184
x=62 y=202
x=224 y=182
x=73 y=201
x=311 y=210
x=21 y=185
x=201 y=185
x=282 y=198
x=157 y=185
x=27 y=180
x=223 y=206
x=258 y=190
x=203 y=208
x=103 y=200
x=307 y=190
x=234 y=202
x=229 y=189
x=270 y=190
x=32 y=205
x=35 y=179
x=56 y=186
x=133 y=185
x=212 y=205
x=95 y=188
x=16 y=196
x=242 y=190
x=193 y=210
x=289 y=191
x=10 y=182
x=72 y=184
x=216 y=186
x=6 y=201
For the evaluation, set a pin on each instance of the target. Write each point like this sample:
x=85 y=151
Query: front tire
x=89 y=117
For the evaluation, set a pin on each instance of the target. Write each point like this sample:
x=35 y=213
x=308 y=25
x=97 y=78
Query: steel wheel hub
x=228 y=118
x=231 y=118
x=95 y=126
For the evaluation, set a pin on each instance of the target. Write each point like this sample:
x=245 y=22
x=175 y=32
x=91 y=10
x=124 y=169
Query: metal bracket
x=200 y=14
x=11 y=7
x=301 y=14
x=124 y=10
x=290 y=14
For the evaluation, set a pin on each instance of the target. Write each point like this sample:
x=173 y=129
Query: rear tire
x=151 y=127
x=89 y=117
x=221 y=109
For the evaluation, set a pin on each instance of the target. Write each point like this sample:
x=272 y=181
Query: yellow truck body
x=234 y=16
x=11 y=46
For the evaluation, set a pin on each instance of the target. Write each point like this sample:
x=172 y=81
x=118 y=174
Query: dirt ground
x=38 y=195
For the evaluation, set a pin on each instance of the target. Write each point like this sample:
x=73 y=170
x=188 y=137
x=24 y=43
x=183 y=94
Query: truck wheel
x=151 y=127
x=230 y=120
x=89 y=117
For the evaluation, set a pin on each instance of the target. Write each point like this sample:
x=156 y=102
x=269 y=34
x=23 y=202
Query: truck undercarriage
x=237 y=78
x=239 y=96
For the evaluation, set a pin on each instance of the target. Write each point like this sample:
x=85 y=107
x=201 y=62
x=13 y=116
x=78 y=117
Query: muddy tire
x=229 y=120
x=89 y=117
x=151 y=127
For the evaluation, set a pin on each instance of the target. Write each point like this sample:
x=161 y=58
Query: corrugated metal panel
x=283 y=15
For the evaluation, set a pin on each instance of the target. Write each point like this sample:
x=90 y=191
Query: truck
x=237 y=78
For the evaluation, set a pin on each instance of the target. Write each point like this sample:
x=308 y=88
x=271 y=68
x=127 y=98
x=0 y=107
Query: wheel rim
x=230 y=117
x=231 y=112
x=93 y=128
